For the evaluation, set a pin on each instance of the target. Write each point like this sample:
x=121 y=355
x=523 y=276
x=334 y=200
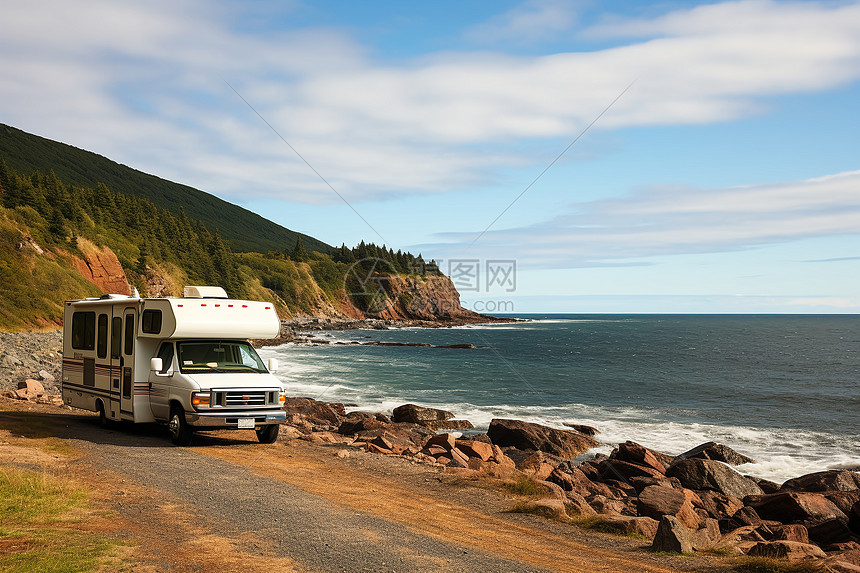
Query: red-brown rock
x=829 y=532
x=627 y=525
x=790 y=550
x=447 y=441
x=32 y=388
x=641 y=456
x=419 y=415
x=830 y=480
x=794 y=507
x=577 y=505
x=538 y=465
x=475 y=449
x=717 y=452
x=656 y=501
x=623 y=471
x=791 y=532
x=718 y=505
x=528 y=436
x=316 y=412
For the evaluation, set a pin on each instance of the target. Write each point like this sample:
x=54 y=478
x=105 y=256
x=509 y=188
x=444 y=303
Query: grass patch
x=533 y=509
x=766 y=565
x=34 y=509
x=29 y=497
x=523 y=486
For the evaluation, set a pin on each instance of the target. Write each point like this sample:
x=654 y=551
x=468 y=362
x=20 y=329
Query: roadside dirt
x=231 y=504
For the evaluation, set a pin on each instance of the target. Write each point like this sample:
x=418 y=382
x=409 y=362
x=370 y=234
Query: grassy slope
x=242 y=229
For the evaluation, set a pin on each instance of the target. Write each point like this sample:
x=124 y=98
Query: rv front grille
x=242 y=398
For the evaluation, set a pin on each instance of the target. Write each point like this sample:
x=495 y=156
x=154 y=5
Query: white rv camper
x=184 y=362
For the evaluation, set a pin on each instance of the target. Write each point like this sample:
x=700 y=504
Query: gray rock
x=46 y=376
x=718 y=452
x=698 y=474
x=672 y=536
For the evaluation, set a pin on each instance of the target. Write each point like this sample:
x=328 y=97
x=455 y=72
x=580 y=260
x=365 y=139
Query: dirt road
x=231 y=504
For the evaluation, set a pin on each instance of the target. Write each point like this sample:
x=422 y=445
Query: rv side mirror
x=273 y=364
x=155 y=364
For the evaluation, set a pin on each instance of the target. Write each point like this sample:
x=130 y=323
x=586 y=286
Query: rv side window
x=83 y=330
x=166 y=355
x=103 y=336
x=150 y=322
x=115 y=337
x=129 y=334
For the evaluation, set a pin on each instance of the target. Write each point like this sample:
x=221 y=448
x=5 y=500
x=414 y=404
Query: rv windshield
x=201 y=356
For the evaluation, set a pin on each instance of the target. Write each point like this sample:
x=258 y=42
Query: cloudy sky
x=678 y=157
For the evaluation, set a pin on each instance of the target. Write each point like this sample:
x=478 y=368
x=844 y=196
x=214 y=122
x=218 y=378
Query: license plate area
x=245 y=423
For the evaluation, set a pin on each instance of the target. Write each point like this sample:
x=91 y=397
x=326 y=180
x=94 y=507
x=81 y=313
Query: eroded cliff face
x=101 y=267
x=423 y=298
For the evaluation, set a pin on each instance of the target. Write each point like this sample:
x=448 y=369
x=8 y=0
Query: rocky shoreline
x=691 y=502
x=687 y=503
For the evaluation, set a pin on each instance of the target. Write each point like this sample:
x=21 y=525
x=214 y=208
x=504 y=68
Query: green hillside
x=241 y=229
x=62 y=241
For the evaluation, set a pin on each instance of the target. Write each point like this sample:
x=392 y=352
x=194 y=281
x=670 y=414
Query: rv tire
x=104 y=421
x=268 y=434
x=180 y=432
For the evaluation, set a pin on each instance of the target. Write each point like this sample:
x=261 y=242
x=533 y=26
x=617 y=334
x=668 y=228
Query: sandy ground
x=231 y=504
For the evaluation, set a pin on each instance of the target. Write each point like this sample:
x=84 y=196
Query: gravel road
x=315 y=533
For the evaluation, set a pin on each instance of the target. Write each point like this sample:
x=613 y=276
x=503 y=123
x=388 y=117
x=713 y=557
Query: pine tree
x=299 y=253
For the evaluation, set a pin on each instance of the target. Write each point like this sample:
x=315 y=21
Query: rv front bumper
x=231 y=419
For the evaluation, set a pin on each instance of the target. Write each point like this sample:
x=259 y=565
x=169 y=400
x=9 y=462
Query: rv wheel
x=104 y=422
x=180 y=433
x=268 y=434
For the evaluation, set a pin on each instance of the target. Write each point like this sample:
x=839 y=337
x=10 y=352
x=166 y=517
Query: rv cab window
x=166 y=355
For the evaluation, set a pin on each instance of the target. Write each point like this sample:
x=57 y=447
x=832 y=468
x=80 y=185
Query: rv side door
x=159 y=382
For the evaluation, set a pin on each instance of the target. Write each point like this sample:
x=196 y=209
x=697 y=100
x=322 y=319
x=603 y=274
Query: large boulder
x=316 y=412
x=830 y=532
x=656 y=501
x=789 y=550
x=642 y=456
x=419 y=415
x=718 y=505
x=795 y=507
x=716 y=452
x=854 y=518
x=830 y=480
x=529 y=436
x=613 y=469
x=698 y=474
x=844 y=500
x=672 y=536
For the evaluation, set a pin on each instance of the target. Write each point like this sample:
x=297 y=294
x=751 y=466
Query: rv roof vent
x=204 y=292
x=111 y=296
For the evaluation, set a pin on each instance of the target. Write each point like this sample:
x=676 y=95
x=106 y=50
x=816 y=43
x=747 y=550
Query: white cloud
x=530 y=22
x=660 y=221
x=142 y=83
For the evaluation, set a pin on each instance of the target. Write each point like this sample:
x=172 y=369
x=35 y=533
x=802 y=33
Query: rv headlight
x=200 y=399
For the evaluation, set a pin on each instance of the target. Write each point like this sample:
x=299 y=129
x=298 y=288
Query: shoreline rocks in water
x=686 y=503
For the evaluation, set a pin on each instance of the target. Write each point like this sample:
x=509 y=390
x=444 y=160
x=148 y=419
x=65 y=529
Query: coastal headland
x=652 y=504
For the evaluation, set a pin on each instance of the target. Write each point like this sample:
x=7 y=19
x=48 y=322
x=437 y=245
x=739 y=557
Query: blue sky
x=726 y=178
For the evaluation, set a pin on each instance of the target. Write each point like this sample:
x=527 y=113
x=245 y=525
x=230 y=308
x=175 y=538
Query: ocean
x=782 y=389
